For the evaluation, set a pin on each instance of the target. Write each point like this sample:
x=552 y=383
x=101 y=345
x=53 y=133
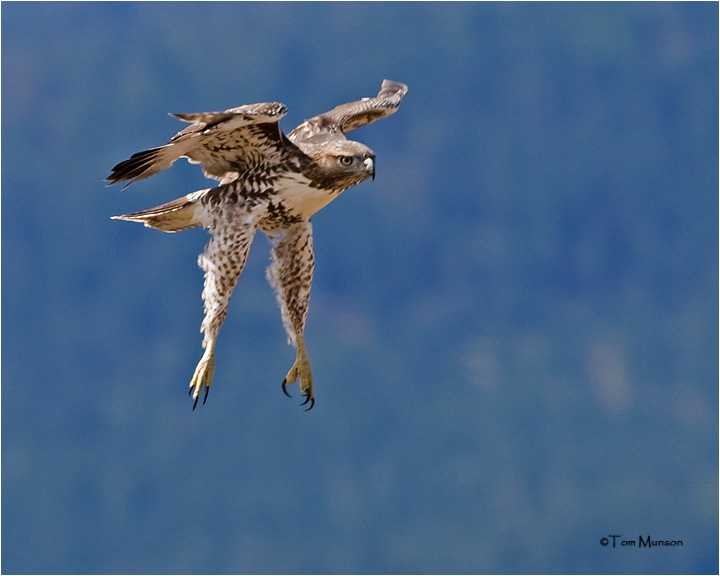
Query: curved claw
x=202 y=378
x=308 y=398
x=284 y=389
x=207 y=391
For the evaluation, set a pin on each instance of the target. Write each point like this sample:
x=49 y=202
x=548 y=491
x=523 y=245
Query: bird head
x=343 y=164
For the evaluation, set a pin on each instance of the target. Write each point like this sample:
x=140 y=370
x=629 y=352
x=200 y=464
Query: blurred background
x=513 y=329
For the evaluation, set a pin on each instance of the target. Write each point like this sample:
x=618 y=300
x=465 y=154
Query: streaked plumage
x=268 y=181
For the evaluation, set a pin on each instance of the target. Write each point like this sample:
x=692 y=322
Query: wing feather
x=346 y=117
x=222 y=142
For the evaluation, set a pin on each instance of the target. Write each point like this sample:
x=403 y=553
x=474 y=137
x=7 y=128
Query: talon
x=301 y=370
x=312 y=403
x=308 y=397
x=202 y=378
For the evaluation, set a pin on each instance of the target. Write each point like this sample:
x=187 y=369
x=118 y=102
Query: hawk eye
x=346 y=160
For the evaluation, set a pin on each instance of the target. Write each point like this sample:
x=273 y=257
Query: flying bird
x=268 y=181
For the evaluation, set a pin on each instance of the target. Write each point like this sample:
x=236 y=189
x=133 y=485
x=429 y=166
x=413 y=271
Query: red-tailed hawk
x=268 y=181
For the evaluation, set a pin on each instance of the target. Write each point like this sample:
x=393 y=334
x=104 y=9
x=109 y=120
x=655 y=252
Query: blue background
x=513 y=329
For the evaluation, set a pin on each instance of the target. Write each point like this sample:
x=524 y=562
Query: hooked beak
x=370 y=166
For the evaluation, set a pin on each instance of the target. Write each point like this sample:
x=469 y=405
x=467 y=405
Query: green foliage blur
x=513 y=329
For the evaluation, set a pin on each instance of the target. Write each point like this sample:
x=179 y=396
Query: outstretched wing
x=222 y=142
x=346 y=117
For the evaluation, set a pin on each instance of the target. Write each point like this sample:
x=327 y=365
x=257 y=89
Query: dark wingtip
x=135 y=167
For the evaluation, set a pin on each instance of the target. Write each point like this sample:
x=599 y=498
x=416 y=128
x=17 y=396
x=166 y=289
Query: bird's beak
x=370 y=166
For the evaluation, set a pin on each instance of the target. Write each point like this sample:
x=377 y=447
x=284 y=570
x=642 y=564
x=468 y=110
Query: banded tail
x=180 y=214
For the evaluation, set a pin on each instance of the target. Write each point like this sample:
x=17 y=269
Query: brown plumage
x=268 y=181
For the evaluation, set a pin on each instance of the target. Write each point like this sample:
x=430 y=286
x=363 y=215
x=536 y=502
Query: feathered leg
x=290 y=273
x=222 y=261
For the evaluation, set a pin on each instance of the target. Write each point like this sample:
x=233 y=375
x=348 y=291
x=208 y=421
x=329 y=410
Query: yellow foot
x=202 y=378
x=301 y=369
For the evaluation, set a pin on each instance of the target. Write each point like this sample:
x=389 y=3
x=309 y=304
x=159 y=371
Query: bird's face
x=362 y=164
x=345 y=164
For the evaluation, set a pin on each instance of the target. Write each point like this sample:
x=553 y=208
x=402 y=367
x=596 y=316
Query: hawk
x=268 y=181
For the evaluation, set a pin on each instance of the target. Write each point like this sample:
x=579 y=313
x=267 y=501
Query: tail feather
x=174 y=216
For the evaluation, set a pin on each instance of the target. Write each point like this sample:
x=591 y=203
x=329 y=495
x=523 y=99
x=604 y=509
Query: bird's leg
x=301 y=369
x=290 y=273
x=222 y=261
x=202 y=378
